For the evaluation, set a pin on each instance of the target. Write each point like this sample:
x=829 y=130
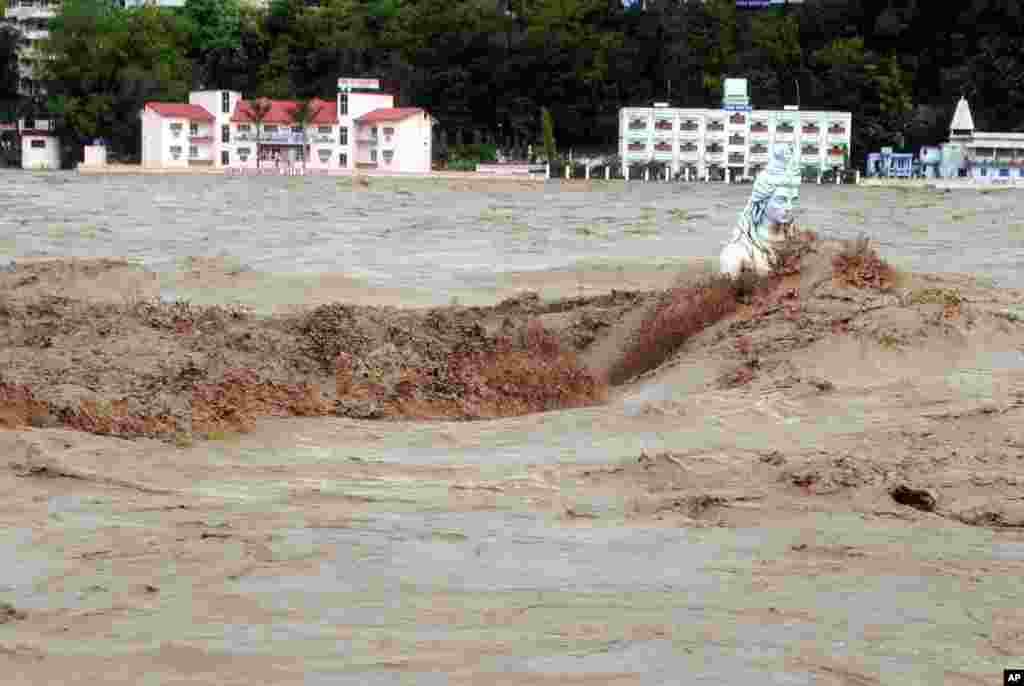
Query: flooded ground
x=683 y=532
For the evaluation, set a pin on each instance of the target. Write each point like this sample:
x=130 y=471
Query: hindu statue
x=767 y=218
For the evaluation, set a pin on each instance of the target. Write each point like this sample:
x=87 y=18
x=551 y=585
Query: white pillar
x=568 y=167
x=547 y=170
x=607 y=172
x=647 y=174
x=856 y=177
x=819 y=178
x=586 y=172
x=837 y=177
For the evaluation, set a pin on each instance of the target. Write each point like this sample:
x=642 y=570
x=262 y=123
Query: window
x=225 y=102
x=1004 y=172
x=342 y=104
x=689 y=125
x=225 y=157
x=175 y=129
x=984 y=172
x=785 y=127
x=193 y=151
x=373 y=155
x=342 y=160
x=324 y=155
x=389 y=131
x=296 y=129
x=388 y=156
x=373 y=132
x=715 y=126
x=175 y=151
x=193 y=129
x=225 y=134
x=243 y=153
x=663 y=125
x=244 y=128
x=343 y=131
x=270 y=128
x=737 y=119
x=663 y=146
x=811 y=128
x=323 y=129
x=736 y=139
x=38 y=143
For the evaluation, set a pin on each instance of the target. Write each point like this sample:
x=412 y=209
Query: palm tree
x=259 y=110
x=304 y=112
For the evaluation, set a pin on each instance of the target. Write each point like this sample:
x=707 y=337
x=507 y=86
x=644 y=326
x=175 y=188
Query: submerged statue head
x=768 y=215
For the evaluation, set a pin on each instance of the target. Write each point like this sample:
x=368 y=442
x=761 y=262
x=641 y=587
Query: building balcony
x=245 y=136
x=283 y=138
x=367 y=140
x=324 y=138
x=692 y=155
x=198 y=138
x=760 y=157
x=34 y=12
x=785 y=137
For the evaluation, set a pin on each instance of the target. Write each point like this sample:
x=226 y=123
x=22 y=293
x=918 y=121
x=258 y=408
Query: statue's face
x=779 y=212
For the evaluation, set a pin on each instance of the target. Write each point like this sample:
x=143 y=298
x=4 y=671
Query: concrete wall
x=40 y=152
x=412 y=145
x=95 y=155
x=213 y=102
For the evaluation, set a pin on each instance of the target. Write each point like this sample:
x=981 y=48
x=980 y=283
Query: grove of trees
x=486 y=68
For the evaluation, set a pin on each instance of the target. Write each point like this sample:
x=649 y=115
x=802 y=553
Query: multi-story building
x=360 y=128
x=31 y=18
x=732 y=142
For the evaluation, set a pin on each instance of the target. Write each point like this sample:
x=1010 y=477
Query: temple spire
x=963 y=123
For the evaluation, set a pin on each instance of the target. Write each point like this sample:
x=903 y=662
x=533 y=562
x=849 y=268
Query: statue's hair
x=784 y=169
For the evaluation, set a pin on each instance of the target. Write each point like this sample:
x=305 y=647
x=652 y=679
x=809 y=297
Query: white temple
x=980 y=155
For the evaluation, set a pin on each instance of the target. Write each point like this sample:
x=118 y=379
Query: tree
x=104 y=62
x=216 y=32
x=302 y=114
x=259 y=110
x=548 y=131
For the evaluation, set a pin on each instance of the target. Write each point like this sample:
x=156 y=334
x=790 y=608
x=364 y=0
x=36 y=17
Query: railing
x=367 y=139
x=323 y=138
x=283 y=137
x=245 y=136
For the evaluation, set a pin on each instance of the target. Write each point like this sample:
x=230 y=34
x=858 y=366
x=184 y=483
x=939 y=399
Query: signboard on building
x=737 y=108
x=358 y=84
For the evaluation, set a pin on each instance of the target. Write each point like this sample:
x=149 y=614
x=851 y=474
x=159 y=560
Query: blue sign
x=737 y=108
x=760 y=3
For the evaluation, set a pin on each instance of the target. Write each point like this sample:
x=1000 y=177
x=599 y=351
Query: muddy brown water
x=334 y=551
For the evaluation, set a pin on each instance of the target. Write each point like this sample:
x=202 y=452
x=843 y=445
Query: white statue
x=768 y=217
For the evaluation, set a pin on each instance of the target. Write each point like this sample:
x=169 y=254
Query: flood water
x=430 y=237
x=409 y=590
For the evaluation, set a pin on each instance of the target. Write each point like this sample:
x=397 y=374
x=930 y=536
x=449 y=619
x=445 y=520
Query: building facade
x=360 y=128
x=730 y=144
x=980 y=155
x=31 y=18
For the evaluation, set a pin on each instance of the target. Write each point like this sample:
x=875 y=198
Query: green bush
x=466 y=157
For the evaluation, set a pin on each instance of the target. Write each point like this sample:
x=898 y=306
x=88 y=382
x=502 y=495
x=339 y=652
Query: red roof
x=180 y=111
x=280 y=112
x=389 y=114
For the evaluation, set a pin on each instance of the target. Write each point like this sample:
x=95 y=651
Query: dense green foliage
x=485 y=69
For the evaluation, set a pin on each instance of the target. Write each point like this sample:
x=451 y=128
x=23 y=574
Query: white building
x=981 y=155
x=40 y=146
x=733 y=140
x=31 y=18
x=360 y=128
